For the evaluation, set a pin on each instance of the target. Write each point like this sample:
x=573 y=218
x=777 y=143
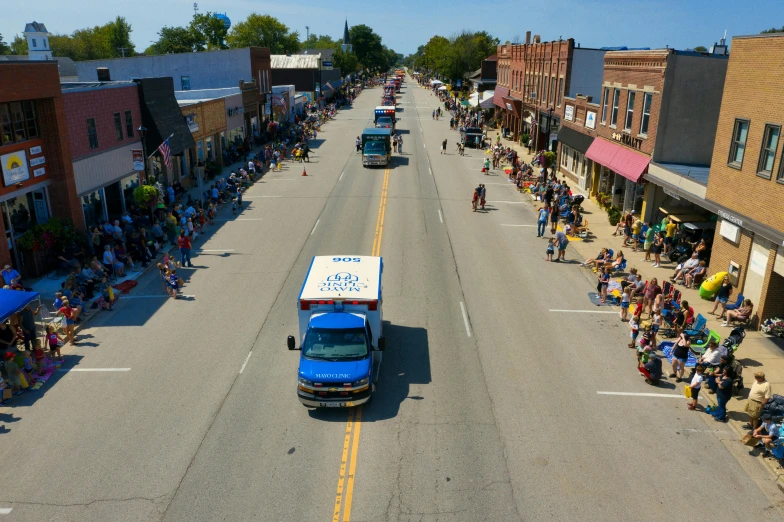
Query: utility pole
x=122 y=50
x=307 y=36
x=195 y=8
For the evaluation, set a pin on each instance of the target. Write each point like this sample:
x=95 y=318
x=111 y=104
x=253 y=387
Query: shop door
x=755 y=273
x=40 y=207
x=114 y=201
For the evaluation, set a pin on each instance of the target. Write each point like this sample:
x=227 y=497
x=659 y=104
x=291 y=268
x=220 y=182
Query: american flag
x=165 y=151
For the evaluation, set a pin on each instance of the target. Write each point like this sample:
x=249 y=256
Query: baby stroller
x=734 y=339
x=578 y=200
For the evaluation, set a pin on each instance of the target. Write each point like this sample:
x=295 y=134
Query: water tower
x=224 y=19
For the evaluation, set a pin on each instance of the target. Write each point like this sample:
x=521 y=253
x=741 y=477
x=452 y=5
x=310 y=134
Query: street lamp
x=142 y=132
x=547 y=135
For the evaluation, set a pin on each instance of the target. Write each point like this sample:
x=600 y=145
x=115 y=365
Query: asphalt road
x=487 y=406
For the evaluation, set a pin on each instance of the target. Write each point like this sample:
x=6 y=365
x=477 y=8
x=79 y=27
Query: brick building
x=540 y=75
x=103 y=118
x=38 y=179
x=747 y=174
x=207 y=122
x=646 y=140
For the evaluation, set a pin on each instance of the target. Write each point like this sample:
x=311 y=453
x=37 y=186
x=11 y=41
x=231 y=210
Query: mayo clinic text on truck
x=340 y=331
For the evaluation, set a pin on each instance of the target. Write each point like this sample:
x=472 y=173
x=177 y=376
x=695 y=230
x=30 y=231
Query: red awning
x=498 y=96
x=629 y=164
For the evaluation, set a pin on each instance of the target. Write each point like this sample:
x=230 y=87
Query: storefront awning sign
x=138 y=159
x=629 y=164
x=14 y=166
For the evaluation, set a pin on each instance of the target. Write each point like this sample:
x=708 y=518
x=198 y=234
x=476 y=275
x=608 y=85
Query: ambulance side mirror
x=291 y=342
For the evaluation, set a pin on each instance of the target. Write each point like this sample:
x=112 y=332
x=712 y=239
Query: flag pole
x=159 y=146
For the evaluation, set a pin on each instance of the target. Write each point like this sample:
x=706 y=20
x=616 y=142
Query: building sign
x=35 y=150
x=729 y=217
x=590 y=119
x=138 y=159
x=193 y=125
x=14 y=168
x=627 y=140
x=758 y=262
x=569 y=113
x=39 y=172
x=327 y=65
x=40 y=160
x=729 y=231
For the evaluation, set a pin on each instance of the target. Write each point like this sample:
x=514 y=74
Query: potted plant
x=145 y=195
x=37 y=245
x=524 y=139
x=614 y=215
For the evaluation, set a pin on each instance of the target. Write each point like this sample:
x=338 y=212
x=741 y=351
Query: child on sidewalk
x=625 y=300
x=634 y=326
x=695 y=385
x=54 y=343
x=38 y=353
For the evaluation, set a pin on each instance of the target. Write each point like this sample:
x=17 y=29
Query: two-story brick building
x=649 y=134
x=35 y=159
x=103 y=118
x=747 y=174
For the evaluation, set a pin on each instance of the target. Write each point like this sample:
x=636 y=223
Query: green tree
x=368 y=48
x=347 y=62
x=19 y=45
x=208 y=32
x=118 y=35
x=173 y=40
x=700 y=49
x=773 y=30
x=436 y=55
x=467 y=50
x=4 y=47
x=263 y=31
x=323 y=41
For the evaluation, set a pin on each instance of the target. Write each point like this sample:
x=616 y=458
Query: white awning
x=485 y=103
x=435 y=82
x=442 y=88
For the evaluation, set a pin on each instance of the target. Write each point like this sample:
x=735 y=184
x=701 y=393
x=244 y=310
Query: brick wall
x=724 y=251
x=633 y=70
x=752 y=90
x=772 y=304
x=100 y=104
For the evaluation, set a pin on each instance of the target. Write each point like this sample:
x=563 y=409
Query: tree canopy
x=264 y=31
x=173 y=40
x=452 y=57
x=370 y=53
x=323 y=41
x=773 y=30
x=206 y=32
x=4 y=47
x=701 y=49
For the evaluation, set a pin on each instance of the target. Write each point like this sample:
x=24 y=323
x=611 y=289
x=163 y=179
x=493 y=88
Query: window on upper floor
x=770 y=142
x=92 y=133
x=31 y=122
x=627 y=124
x=647 y=100
x=605 y=101
x=18 y=120
x=129 y=124
x=616 y=101
x=738 y=146
x=185 y=83
x=560 y=90
x=546 y=89
x=118 y=126
x=553 y=85
x=35 y=44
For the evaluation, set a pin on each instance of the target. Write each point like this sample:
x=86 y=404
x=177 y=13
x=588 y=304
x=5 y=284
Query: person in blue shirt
x=9 y=275
x=723 y=395
x=170 y=193
x=768 y=433
x=541 y=224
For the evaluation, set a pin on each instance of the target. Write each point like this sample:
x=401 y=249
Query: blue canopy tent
x=13 y=301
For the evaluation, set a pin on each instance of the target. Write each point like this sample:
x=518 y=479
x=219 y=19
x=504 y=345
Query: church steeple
x=346 y=45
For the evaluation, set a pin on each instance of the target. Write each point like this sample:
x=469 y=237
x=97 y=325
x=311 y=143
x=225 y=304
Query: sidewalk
x=758 y=352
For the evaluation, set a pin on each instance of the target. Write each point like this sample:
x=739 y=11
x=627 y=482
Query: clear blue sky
x=406 y=24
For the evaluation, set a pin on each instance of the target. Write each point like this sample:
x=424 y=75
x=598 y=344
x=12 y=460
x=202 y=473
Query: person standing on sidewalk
x=563 y=242
x=760 y=393
x=723 y=395
x=184 y=242
x=541 y=224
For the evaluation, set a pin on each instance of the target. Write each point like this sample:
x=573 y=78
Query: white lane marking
x=586 y=311
x=430 y=171
x=631 y=394
x=214 y=250
x=6 y=511
x=94 y=370
x=465 y=318
x=510 y=225
x=239 y=219
x=341 y=176
x=440 y=216
x=314 y=227
x=242 y=369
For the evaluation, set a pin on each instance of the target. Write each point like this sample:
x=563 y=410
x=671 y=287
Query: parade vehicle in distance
x=471 y=136
x=340 y=331
x=384 y=117
x=376 y=147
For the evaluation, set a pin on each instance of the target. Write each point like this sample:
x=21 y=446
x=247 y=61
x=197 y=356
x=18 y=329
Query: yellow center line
x=353 y=426
x=343 y=463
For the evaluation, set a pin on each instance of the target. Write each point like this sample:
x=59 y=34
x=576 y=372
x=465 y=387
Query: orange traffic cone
x=304 y=172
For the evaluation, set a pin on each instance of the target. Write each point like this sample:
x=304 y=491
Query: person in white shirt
x=695 y=385
x=681 y=270
x=712 y=355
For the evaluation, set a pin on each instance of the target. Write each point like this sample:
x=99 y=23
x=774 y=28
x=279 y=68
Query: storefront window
x=200 y=150
x=127 y=185
x=92 y=206
x=209 y=148
x=27 y=210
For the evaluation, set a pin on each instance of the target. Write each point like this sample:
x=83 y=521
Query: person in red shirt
x=184 y=242
x=38 y=352
x=67 y=313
